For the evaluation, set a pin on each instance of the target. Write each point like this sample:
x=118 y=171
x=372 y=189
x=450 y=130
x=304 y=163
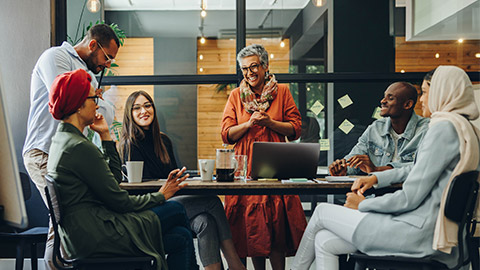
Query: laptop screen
x=284 y=160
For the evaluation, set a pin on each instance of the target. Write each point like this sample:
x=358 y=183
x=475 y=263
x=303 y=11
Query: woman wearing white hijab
x=410 y=221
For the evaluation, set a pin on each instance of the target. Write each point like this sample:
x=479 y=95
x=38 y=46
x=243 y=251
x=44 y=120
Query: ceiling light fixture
x=477 y=55
x=437 y=55
x=202 y=40
x=460 y=40
x=200 y=56
x=282 y=44
x=319 y=3
x=203 y=13
x=93 y=6
x=402 y=71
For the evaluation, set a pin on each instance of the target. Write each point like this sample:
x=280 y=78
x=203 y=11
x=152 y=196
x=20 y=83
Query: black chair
x=30 y=237
x=117 y=263
x=459 y=207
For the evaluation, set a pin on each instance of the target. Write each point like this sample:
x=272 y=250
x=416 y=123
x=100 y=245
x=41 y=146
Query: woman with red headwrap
x=100 y=218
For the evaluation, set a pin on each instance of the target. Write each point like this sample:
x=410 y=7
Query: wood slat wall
x=135 y=57
x=219 y=57
x=419 y=56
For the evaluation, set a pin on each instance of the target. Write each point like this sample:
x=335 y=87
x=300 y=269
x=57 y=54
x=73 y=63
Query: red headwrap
x=69 y=92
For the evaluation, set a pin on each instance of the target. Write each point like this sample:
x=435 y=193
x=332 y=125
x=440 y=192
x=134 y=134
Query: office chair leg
x=20 y=256
x=33 y=256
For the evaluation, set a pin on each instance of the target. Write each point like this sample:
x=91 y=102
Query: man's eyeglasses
x=95 y=98
x=252 y=68
x=138 y=107
x=109 y=60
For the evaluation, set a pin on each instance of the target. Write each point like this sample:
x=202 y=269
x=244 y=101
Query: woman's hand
x=263 y=119
x=255 y=118
x=100 y=126
x=363 y=183
x=353 y=200
x=173 y=183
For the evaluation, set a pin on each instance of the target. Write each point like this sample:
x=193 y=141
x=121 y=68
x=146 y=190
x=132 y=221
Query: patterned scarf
x=253 y=104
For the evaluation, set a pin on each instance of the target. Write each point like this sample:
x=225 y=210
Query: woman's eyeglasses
x=138 y=107
x=252 y=68
x=95 y=98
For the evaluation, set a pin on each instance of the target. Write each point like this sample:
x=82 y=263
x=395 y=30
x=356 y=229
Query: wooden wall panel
x=219 y=57
x=135 y=57
x=419 y=56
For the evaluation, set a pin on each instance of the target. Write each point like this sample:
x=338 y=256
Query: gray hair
x=254 y=49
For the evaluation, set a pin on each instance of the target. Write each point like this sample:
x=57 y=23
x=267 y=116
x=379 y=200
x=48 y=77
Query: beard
x=91 y=65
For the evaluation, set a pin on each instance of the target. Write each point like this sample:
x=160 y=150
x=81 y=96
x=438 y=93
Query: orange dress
x=259 y=221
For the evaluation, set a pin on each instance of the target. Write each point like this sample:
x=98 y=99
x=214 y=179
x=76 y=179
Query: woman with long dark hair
x=142 y=140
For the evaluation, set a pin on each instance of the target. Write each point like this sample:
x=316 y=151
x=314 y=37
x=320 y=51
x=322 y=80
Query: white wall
x=25 y=34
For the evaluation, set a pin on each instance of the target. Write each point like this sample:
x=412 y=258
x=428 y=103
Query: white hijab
x=451 y=99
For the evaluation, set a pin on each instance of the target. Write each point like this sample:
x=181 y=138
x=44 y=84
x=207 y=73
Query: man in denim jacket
x=388 y=142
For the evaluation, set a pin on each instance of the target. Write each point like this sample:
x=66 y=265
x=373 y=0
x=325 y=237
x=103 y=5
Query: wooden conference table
x=198 y=187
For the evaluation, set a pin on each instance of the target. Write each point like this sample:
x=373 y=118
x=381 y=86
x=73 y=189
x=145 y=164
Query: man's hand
x=338 y=167
x=362 y=162
x=99 y=93
x=353 y=200
x=173 y=183
x=363 y=183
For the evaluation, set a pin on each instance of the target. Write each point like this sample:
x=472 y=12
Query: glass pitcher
x=226 y=165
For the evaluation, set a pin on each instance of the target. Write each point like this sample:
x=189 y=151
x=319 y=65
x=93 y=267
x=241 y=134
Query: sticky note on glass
x=346 y=126
x=376 y=113
x=317 y=107
x=345 y=101
x=324 y=144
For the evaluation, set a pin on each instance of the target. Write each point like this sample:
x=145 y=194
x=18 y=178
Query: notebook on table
x=284 y=160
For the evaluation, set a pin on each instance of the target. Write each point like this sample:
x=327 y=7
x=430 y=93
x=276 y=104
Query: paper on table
x=339 y=179
x=346 y=126
x=317 y=107
x=345 y=101
x=289 y=181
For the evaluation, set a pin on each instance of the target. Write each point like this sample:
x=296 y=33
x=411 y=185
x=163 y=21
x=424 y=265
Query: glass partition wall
x=337 y=59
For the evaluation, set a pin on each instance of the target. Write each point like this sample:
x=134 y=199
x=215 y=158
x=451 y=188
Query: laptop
x=284 y=160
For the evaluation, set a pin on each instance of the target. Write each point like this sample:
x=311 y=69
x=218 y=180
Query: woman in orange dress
x=262 y=110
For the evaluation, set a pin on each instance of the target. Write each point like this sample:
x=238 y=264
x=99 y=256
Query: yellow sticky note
x=376 y=113
x=345 y=101
x=324 y=144
x=346 y=126
x=317 y=107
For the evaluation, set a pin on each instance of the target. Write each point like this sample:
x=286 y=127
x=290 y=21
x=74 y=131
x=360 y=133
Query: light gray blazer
x=402 y=223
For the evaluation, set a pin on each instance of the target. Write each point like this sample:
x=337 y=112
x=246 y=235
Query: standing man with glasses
x=93 y=54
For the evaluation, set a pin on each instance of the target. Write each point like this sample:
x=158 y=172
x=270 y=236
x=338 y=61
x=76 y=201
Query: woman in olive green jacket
x=100 y=219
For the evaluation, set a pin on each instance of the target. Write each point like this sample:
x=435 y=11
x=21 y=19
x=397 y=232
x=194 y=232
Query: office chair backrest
x=461 y=196
x=459 y=207
x=51 y=191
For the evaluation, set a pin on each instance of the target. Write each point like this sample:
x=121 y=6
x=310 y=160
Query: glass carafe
x=226 y=165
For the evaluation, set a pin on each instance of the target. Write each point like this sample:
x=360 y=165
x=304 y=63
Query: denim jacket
x=377 y=142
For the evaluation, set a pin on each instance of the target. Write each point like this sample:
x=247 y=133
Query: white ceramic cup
x=134 y=171
x=205 y=166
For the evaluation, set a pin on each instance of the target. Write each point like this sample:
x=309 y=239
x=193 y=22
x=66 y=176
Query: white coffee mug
x=134 y=171
x=205 y=166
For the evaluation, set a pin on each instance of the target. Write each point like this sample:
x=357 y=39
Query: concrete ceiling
x=116 y=5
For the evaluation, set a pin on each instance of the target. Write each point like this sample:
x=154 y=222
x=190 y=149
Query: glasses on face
x=252 y=68
x=109 y=60
x=95 y=98
x=138 y=107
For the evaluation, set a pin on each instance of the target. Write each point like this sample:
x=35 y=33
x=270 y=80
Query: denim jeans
x=177 y=236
